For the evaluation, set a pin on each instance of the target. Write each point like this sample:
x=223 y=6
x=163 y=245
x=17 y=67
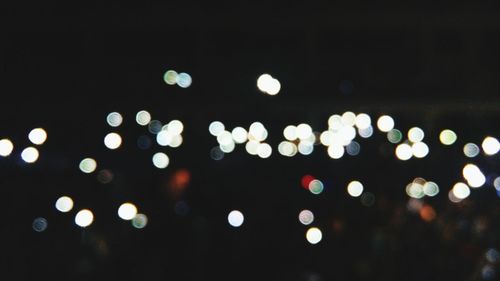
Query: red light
x=306 y=180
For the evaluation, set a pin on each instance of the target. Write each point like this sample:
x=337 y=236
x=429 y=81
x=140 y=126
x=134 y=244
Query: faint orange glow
x=427 y=213
x=306 y=180
x=178 y=182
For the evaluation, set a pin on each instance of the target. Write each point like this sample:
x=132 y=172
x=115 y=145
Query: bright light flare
x=6 y=147
x=37 y=136
x=84 y=218
x=491 y=146
x=64 y=204
x=112 y=140
x=235 y=218
x=314 y=235
x=88 y=165
x=461 y=190
x=127 y=211
x=404 y=152
x=355 y=188
x=160 y=160
x=385 y=123
x=143 y=118
x=114 y=119
x=30 y=155
x=306 y=217
x=447 y=137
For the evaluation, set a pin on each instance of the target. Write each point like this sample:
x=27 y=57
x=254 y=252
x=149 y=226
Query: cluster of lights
x=128 y=211
x=414 y=146
x=419 y=188
x=300 y=138
x=268 y=85
x=182 y=79
x=473 y=175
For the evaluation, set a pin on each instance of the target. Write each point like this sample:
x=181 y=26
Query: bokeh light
x=140 y=221
x=363 y=121
x=64 y=204
x=287 y=148
x=306 y=217
x=447 y=137
x=355 y=188
x=490 y=146
x=264 y=150
x=84 y=218
x=415 y=134
x=235 y=218
x=290 y=133
x=404 y=151
x=385 y=123
x=431 y=189
x=420 y=149
x=314 y=235
x=37 y=136
x=394 y=136
x=216 y=128
x=170 y=77
x=475 y=178
x=30 y=155
x=143 y=118
x=257 y=132
x=316 y=186
x=267 y=84
x=127 y=211
x=155 y=126
x=335 y=151
x=114 y=119
x=496 y=183
x=39 y=224
x=175 y=127
x=461 y=190
x=88 y=165
x=112 y=140
x=353 y=148
x=6 y=147
x=471 y=150
x=184 y=80
x=160 y=160
x=366 y=132
x=239 y=134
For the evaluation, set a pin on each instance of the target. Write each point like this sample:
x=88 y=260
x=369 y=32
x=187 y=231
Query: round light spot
x=164 y=138
x=264 y=150
x=420 y=149
x=363 y=121
x=160 y=160
x=37 y=136
x=471 y=150
x=287 y=148
x=353 y=148
x=225 y=138
x=385 y=123
x=216 y=128
x=336 y=151
x=447 y=137
x=415 y=134
x=227 y=148
x=30 y=155
x=127 y=211
x=84 y=218
x=39 y=224
x=404 y=151
x=431 y=189
x=112 y=140
x=184 y=80
x=143 y=118
x=461 y=190
x=355 y=188
x=366 y=132
x=348 y=118
x=274 y=87
x=6 y=147
x=306 y=217
x=316 y=187
x=257 y=131
x=235 y=218
x=155 y=126
x=496 y=183
x=140 y=221
x=304 y=131
x=290 y=133
x=491 y=146
x=170 y=77
x=475 y=178
x=314 y=235
x=175 y=127
x=251 y=147
x=64 y=204
x=88 y=165
x=394 y=136
x=114 y=119
x=268 y=85
x=239 y=134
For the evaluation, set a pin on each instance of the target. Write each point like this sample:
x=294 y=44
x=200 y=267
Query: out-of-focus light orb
x=415 y=189
x=274 y=87
x=431 y=189
x=316 y=187
x=228 y=148
x=155 y=126
x=363 y=121
x=6 y=147
x=140 y=221
x=114 y=119
x=39 y=224
x=160 y=160
x=496 y=183
x=461 y=190
x=394 y=136
x=366 y=132
x=347 y=134
x=447 y=137
x=225 y=138
x=475 y=178
x=304 y=131
x=348 y=118
x=327 y=138
x=492 y=255
x=415 y=134
x=164 y=138
x=264 y=150
x=305 y=147
x=176 y=141
x=127 y=211
x=143 y=118
x=88 y=165
x=335 y=151
x=235 y=218
x=471 y=150
x=404 y=152
x=420 y=149
x=314 y=235
x=491 y=146
x=306 y=217
x=175 y=127
x=184 y=80
x=30 y=155
x=216 y=154
x=355 y=188
x=287 y=148
x=267 y=84
x=385 y=123
x=170 y=77
x=335 y=122
x=84 y=218
x=452 y=197
x=251 y=147
x=37 y=136
x=112 y=140
x=257 y=132
x=216 y=128
x=368 y=199
x=290 y=133
x=64 y=204
x=353 y=148
x=239 y=134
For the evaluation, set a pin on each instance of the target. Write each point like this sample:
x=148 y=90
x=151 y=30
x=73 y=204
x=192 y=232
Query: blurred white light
x=274 y=87
x=216 y=128
x=184 y=80
x=84 y=218
x=415 y=190
x=225 y=138
x=347 y=134
x=251 y=147
x=175 y=127
x=355 y=188
x=475 y=178
x=170 y=77
x=420 y=149
x=127 y=211
x=227 y=148
x=471 y=150
x=461 y=190
x=306 y=217
x=267 y=84
x=385 y=123
x=336 y=151
x=304 y=131
x=431 y=189
x=404 y=151
x=39 y=224
x=366 y=132
x=348 y=118
x=64 y=204
x=239 y=134
x=326 y=138
x=447 y=137
x=496 y=183
x=314 y=235
x=257 y=131
x=335 y=122
x=160 y=160
x=363 y=121
x=176 y=141
x=264 y=150
x=37 y=136
x=290 y=133
x=30 y=155
x=235 y=218
x=88 y=165
x=164 y=138
x=415 y=134
x=6 y=147
x=286 y=148
x=490 y=146
x=305 y=147
x=114 y=119
x=112 y=140
x=143 y=118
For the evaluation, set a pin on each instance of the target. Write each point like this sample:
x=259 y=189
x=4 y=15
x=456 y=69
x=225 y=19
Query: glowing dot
x=170 y=77
x=496 y=183
x=314 y=235
x=286 y=148
x=316 y=187
x=112 y=140
x=184 y=80
x=415 y=134
x=216 y=128
x=385 y=123
x=355 y=188
x=404 y=151
x=415 y=189
x=366 y=132
x=239 y=134
x=471 y=150
x=336 y=151
x=127 y=211
x=335 y=122
x=304 y=131
x=267 y=84
x=225 y=138
x=164 y=138
x=6 y=147
x=431 y=189
x=452 y=197
x=251 y=147
x=155 y=126
x=84 y=218
x=420 y=149
x=363 y=121
x=160 y=160
x=30 y=155
x=114 y=119
x=290 y=133
x=394 y=136
x=39 y=224
x=216 y=153
x=175 y=127
x=490 y=146
x=140 y=221
x=227 y=148
x=447 y=137
x=475 y=178
x=353 y=148
x=306 y=217
x=88 y=165
x=257 y=131
x=143 y=118
x=348 y=118
x=235 y=218
x=305 y=148
x=264 y=150
x=64 y=204
x=176 y=141
x=37 y=136
x=461 y=190
x=274 y=87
